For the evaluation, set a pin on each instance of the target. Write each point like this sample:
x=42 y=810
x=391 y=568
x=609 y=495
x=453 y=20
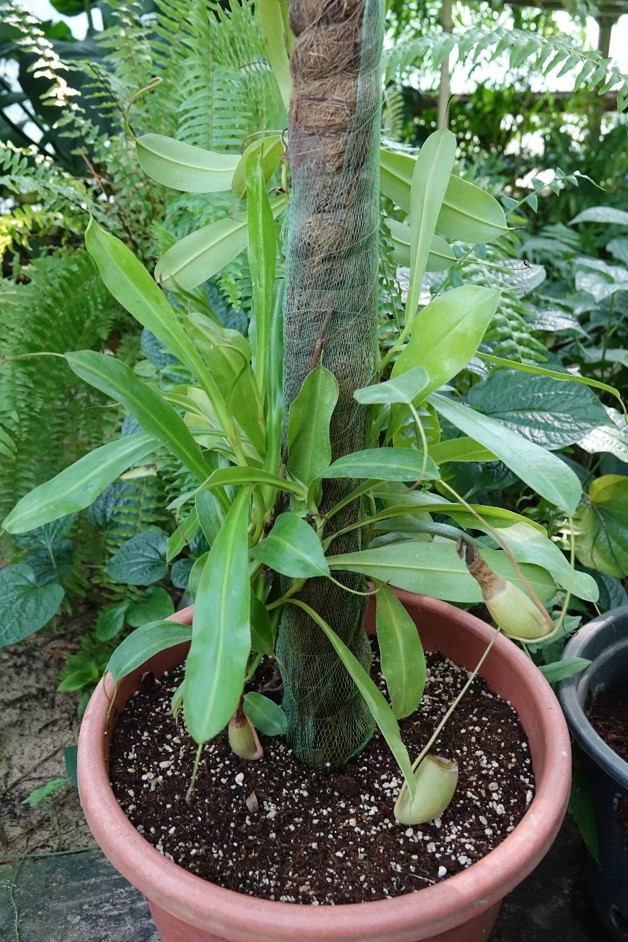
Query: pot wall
x=604 y=641
x=462 y=908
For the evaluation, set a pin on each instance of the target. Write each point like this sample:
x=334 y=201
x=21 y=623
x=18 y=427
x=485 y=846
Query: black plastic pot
x=603 y=641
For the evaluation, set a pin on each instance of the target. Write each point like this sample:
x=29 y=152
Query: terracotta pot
x=604 y=642
x=462 y=908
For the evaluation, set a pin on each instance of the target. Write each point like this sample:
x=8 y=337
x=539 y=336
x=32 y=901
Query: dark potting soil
x=274 y=829
x=608 y=714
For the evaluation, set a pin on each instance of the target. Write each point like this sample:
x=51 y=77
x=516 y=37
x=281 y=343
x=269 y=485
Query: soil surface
x=36 y=724
x=275 y=829
x=608 y=714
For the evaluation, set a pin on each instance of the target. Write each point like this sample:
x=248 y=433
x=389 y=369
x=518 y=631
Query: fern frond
x=542 y=54
x=60 y=304
x=392 y=113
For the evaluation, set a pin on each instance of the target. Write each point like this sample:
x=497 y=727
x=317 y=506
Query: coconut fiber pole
x=330 y=319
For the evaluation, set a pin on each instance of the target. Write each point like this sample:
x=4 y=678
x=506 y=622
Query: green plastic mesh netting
x=330 y=318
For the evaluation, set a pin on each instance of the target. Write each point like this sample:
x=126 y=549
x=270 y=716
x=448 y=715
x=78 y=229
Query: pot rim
x=572 y=692
x=460 y=896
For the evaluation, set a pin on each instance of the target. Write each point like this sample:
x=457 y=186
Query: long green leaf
x=384 y=464
x=183 y=535
x=447 y=334
x=406 y=387
x=530 y=546
x=265 y=715
x=195 y=258
x=264 y=150
x=374 y=699
x=151 y=410
x=221 y=633
x=232 y=475
x=143 y=643
x=183 y=166
x=309 y=448
x=401 y=651
x=132 y=286
x=546 y=473
x=460 y=449
x=436 y=569
x=469 y=214
x=80 y=484
x=429 y=184
x=262 y=253
x=278 y=41
x=274 y=407
x=292 y=548
x=198 y=256
x=441 y=255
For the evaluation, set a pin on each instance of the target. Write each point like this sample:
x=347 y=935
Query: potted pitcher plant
x=316 y=459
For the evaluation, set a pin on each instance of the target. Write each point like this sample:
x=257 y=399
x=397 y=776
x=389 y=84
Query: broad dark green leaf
x=110 y=621
x=309 y=448
x=141 y=560
x=292 y=548
x=221 y=638
x=547 y=474
x=447 y=334
x=53 y=562
x=600 y=279
x=180 y=572
x=538 y=408
x=265 y=715
x=185 y=167
x=155 y=415
x=554 y=374
x=80 y=484
x=611 y=437
x=25 y=607
x=436 y=569
x=143 y=643
x=157 y=605
x=601 y=526
x=385 y=464
x=82 y=677
x=603 y=214
x=401 y=651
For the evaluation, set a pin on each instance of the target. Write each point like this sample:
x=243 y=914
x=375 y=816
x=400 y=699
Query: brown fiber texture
x=330 y=319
